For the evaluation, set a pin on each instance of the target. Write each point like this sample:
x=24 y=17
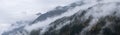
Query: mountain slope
x=100 y=19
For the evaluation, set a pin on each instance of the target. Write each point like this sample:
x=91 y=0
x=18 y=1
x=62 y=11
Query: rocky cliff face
x=96 y=17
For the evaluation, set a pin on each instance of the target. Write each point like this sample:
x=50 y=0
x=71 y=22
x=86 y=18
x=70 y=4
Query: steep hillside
x=100 y=19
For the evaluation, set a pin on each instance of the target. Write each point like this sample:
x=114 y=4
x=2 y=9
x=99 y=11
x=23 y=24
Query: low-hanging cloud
x=15 y=10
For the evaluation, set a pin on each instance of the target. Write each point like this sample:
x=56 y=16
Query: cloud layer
x=16 y=10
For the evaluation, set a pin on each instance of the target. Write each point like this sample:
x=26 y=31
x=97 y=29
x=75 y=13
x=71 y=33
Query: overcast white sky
x=18 y=9
x=15 y=10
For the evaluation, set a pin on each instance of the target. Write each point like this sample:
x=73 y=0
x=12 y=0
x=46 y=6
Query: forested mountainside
x=85 y=17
